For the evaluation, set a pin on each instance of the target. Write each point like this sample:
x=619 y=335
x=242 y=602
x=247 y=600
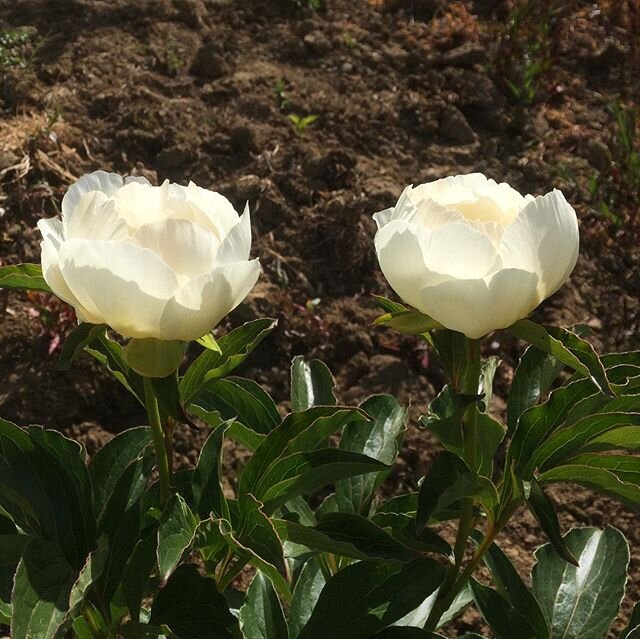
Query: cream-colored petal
x=125 y=286
x=237 y=245
x=187 y=248
x=140 y=203
x=455 y=188
x=199 y=305
x=53 y=277
x=400 y=253
x=218 y=210
x=52 y=229
x=543 y=239
x=94 y=218
x=475 y=307
x=107 y=183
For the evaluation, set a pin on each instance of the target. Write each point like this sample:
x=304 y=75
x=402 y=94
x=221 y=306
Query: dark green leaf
x=304 y=473
x=311 y=384
x=23 y=276
x=11 y=547
x=192 y=607
x=567 y=347
x=366 y=597
x=235 y=346
x=40 y=597
x=489 y=436
x=419 y=616
x=632 y=631
x=175 y=535
x=505 y=620
x=80 y=336
x=533 y=378
x=91 y=571
x=137 y=570
x=379 y=440
x=405 y=632
x=166 y=392
x=448 y=481
x=599 y=479
x=544 y=511
x=625 y=467
x=308 y=587
x=137 y=630
x=261 y=616
x=451 y=349
x=208 y=496
x=513 y=589
x=581 y=602
x=112 y=460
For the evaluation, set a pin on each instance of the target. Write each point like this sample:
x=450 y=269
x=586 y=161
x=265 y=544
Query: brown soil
x=405 y=91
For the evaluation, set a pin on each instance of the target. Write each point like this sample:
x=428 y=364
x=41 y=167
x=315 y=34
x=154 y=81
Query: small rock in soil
x=466 y=55
x=208 y=62
x=454 y=126
x=317 y=43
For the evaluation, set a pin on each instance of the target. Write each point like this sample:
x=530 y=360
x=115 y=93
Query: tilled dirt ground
x=403 y=91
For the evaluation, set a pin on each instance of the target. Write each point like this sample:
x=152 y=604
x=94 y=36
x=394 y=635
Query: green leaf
x=582 y=602
x=533 y=378
x=379 y=439
x=166 y=392
x=347 y=535
x=448 y=481
x=304 y=473
x=567 y=347
x=512 y=588
x=192 y=607
x=208 y=496
x=89 y=574
x=489 y=436
x=111 y=355
x=23 y=276
x=111 y=461
x=11 y=547
x=40 y=598
x=406 y=632
x=135 y=575
x=46 y=489
x=311 y=384
x=239 y=399
x=632 y=631
x=80 y=336
x=599 y=479
x=306 y=592
x=236 y=346
x=209 y=342
x=261 y=615
x=623 y=438
x=487 y=375
x=175 y=535
x=505 y=620
x=544 y=511
x=366 y=597
x=409 y=322
x=419 y=616
x=389 y=305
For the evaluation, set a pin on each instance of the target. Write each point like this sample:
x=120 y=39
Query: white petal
x=140 y=203
x=476 y=308
x=127 y=287
x=53 y=277
x=455 y=188
x=461 y=251
x=543 y=239
x=52 y=229
x=107 y=183
x=402 y=260
x=433 y=215
x=94 y=218
x=405 y=209
x=200 y=304
x=187 y=248
x=218 y=210
x=237 y=245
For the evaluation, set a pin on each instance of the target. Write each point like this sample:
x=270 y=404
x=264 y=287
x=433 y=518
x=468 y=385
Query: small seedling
x=279 y=91
x=15 y=49
x=301 y=122
x=349 y=40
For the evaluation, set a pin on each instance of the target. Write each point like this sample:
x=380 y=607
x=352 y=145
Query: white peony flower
x=476 y=255
x=166 y=262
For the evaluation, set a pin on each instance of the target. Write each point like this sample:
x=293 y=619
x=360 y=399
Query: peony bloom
x=165 y=262
x=476 y=255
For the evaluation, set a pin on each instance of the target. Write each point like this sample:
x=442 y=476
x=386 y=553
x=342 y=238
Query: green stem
x=157 y=432
x=470 y=385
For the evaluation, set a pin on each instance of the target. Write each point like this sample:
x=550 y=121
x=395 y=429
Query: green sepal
x=153 y=357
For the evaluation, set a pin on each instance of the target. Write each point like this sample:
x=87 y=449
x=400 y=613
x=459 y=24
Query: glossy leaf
x=235 y=347
x=308 y=587
x=23 y=276
x=533 y=378
x=208 y=496
x=419 y=616
x=261 y=615
x=175 y=535
x=566 y=347
x=581 y=602
x=40 y=598
x=311 y=384
x=632 y=631
x=80 y=336
x=135 y=575
x=191 y=606
x=544 y=511
x=378 y=439
x=111 y=461
x=366 y=597
x=505 y=620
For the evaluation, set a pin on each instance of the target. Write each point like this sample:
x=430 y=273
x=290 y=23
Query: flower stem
x=157 y=432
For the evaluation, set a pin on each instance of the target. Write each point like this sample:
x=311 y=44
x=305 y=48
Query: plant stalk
x=157 y=432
